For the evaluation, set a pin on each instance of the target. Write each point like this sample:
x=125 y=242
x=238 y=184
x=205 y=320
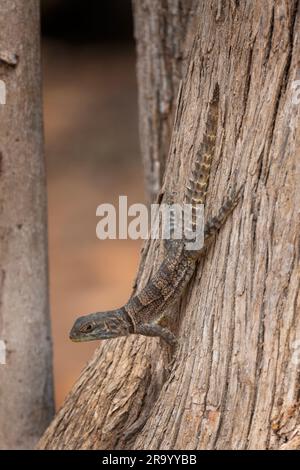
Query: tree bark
x=163 y=31
x=26 y=386
x=234 y=382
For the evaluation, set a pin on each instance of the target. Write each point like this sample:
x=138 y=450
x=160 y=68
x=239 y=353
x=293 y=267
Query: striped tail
x=196 y=189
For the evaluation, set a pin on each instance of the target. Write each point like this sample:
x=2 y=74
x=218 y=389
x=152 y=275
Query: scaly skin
x=144 y=311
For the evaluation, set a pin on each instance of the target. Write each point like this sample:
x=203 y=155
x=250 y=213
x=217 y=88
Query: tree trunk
x=163 y=32
x=26 y=380
x=234 y=382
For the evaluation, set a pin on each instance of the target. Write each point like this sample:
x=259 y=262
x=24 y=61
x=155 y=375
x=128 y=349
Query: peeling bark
x=234 y=382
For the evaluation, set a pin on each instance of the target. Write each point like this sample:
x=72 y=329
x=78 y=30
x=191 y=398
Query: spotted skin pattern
x=145 y=310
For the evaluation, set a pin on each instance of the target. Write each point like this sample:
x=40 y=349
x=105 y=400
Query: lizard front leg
x=153 y=329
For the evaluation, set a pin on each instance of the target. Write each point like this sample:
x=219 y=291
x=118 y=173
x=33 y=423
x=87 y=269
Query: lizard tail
x=197 y=186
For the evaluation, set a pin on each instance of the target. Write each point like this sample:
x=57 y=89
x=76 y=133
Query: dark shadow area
x=85 y=22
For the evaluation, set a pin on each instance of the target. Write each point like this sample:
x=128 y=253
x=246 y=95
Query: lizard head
x=101 y=325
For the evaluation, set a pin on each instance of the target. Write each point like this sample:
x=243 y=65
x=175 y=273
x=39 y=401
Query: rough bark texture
x=163 y=31
x=26 y=379
x=234 y=383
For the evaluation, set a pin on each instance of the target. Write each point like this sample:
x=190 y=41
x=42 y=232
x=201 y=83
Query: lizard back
x=174 y=273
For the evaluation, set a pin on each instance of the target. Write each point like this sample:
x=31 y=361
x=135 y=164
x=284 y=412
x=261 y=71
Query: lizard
x=144 y=311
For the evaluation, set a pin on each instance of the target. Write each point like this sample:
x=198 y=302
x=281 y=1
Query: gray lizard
x=144 y=311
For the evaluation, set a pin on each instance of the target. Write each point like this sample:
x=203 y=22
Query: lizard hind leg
x=216 y=222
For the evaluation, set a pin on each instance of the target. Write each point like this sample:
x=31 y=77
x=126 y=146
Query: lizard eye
x=87 y=328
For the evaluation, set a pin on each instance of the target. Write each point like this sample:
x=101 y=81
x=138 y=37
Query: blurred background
x=92 y=152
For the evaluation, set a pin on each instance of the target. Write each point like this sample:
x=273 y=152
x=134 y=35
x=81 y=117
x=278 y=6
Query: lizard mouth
x=75 y=340
x=81 y=339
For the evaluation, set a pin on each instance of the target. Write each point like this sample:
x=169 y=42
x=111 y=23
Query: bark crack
x=229 y=359
x=270 y=36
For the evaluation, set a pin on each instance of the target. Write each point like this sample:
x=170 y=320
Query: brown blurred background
x=92 y=151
